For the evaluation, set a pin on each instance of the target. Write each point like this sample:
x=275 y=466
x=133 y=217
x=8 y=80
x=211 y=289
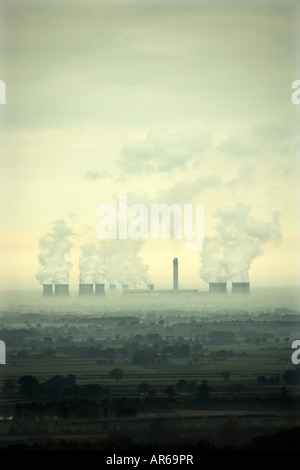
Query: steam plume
x=54 y=247
x=240 y=239
x=92 y=265
x=114 y=261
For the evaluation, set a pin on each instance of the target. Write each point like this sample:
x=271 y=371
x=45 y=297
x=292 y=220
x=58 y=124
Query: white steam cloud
x=54 y=247
x=116 y=261
x=92 y=265
x=240 y=239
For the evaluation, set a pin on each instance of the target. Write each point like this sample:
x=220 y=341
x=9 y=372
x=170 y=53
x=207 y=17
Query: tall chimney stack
x=99 y=289
x=240 y=288
x=61 y=290
x=175 y=273
x=47 y=290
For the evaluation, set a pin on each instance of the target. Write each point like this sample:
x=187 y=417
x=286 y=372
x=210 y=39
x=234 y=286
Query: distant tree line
x=61 y=396
x=58 y=386
x=289 y=377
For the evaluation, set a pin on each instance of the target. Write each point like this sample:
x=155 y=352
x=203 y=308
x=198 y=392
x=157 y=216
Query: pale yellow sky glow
x=166 y=102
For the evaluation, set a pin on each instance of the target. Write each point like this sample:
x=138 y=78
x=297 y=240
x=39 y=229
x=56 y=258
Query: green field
x=216 y=381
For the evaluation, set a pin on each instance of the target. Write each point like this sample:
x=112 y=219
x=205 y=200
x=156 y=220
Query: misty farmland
x=162 y=378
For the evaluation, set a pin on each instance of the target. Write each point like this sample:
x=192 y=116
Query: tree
x=170 y=391
x=225 y=375
x=262 y=380
x=162 y=359
x=144 y=357
x=275 y=379
x=91 y=391
x=29 y=385
x=57 y=383
x=183 y=351
x=117 y=374
x=47 y=342
x=181 y=385
x=143 y=387
x=221 y=337
x=203 y=391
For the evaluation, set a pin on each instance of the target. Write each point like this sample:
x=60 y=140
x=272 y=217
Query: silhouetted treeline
x=283 y=440
x=62 y=397
x=59 y=386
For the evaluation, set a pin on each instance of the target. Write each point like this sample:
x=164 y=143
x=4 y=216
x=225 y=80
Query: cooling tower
x=61 y=290
x=175 y=273
x=125 y=286
x=112 y=287
x=99 y=289
x=85 y=289
x=217 y=288
x=240 y=288
x=47 y=290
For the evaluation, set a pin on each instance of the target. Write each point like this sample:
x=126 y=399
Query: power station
x=175 y=273
x=86 y=289
x=240 y=288
x=215 y=288
x=61 y=290
x=47 y=290
x=100 y=289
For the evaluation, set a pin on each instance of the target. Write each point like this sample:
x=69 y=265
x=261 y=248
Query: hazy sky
x=165 y=101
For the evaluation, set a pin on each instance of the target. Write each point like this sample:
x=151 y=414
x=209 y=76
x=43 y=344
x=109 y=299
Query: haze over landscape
x=165 y=102
x=151 y=340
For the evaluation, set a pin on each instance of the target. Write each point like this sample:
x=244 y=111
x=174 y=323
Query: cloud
x=183 y=192
x=55 y=246
x=186 y=146
x=278 y=137
x=166 y=149
x=114 y=261
x=91 y=264
x=244 y=177
x=239 y=240
x=92 y=175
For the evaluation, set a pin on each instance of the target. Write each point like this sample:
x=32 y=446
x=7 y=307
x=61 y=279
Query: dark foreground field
x=151 y=380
